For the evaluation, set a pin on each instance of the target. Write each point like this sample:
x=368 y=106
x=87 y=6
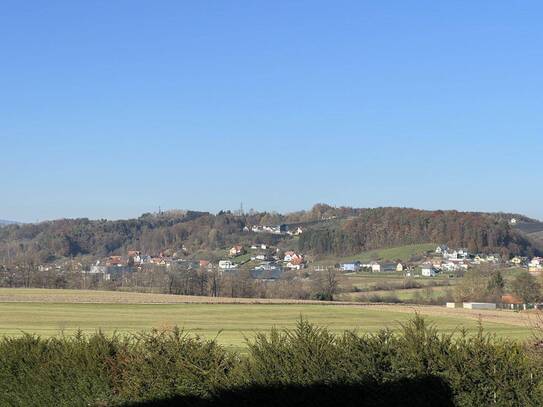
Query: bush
x=386 y=368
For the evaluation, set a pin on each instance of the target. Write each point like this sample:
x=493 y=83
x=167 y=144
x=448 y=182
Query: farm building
x=454 y=305
x=350 y=266
x=479 y=305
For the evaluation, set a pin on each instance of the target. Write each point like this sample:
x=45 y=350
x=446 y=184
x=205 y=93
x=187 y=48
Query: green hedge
x=99 y=370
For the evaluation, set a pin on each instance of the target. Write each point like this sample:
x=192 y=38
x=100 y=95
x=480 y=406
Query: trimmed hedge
x=179 y=368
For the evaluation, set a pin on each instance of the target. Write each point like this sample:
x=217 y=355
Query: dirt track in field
x=525 y=319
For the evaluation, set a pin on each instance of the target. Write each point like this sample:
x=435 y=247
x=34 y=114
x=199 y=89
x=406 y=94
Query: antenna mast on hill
x=241 y=208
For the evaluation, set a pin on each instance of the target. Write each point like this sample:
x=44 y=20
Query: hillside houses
x=259 y=247
x=296 y=264
x=374 y=267
x=237 y=250
x=350 y=267
x=293 y=260
x=291 y=255
x=428 y=270
x=519 y=261
x=276 y=230
x=379 y=267
x=227 y=265
x=535 y=265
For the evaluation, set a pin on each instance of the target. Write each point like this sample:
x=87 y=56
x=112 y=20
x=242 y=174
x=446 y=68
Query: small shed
x=454 y=305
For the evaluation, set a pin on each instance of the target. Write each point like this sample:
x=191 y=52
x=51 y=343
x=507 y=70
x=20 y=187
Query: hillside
x=326 y=231
x=389 y=227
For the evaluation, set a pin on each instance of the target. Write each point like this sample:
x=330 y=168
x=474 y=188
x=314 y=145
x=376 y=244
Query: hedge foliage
x=100 y=370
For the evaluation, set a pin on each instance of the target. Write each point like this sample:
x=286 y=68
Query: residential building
x=442 y=249
x=350 y=267
x=517 y=261
x=227 y=265
x=375 y=267
x=428 y=270
x=115 y=261
x=296 y=264
x=290 y=255
x=236 y=251
x=535 y=265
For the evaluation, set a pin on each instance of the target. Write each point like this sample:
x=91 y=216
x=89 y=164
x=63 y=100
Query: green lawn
x=231 y=322
x=363 y=279
x=403 y=253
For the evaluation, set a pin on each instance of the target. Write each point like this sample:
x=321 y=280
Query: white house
x=399 y=267
x=350 y=266
x=375 y=267
x=428 y=270
x=227 y=265
x=295 y=265
x=442 y=249
x=536 y=264
x=517 y=261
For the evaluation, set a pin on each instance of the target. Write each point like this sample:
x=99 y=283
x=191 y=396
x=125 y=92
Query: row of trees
x=322 y=285
x=487 y=284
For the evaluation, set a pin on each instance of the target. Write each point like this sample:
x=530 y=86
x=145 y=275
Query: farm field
x=403 y=253
x=363 y=279
x=428 y=292
x=230 y=323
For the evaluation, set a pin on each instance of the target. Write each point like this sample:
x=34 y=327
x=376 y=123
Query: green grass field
x=403 y=253
x=231 y=322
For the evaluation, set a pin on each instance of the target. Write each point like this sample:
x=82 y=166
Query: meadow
x=55 y=312
x=402 y=253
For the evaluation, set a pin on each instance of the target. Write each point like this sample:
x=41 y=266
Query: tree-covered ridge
x=385 y=227
x=327 y=230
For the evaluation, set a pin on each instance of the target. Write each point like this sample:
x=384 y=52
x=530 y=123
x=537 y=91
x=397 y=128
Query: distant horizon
x=246 y=210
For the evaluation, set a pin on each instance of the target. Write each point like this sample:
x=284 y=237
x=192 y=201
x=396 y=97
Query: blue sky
x=112 y=109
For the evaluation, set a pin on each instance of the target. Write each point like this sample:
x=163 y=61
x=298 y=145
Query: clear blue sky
x=112 y=108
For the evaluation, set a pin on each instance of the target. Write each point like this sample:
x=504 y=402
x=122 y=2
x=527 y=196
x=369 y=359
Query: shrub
x=467 y=370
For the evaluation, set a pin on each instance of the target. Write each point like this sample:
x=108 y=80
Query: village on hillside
x=266 y=262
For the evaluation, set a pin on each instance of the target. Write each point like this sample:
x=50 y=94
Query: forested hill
x=385 y=227
x=326 y=230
